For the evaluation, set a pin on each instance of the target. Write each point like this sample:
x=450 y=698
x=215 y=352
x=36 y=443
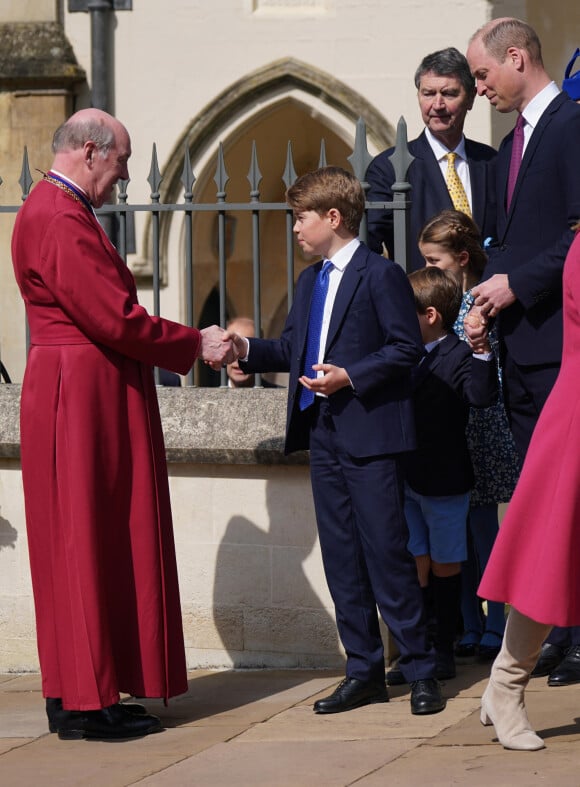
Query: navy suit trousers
x=363 y=538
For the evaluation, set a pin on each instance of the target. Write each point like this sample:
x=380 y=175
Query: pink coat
x=93 y=462
x=535 y=563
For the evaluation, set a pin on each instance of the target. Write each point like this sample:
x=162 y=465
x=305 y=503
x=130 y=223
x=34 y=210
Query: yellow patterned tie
x=455 y=186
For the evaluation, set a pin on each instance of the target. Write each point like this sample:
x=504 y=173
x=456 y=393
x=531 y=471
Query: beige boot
x=502 y=703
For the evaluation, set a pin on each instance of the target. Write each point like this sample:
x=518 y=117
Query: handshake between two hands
x=220 y=347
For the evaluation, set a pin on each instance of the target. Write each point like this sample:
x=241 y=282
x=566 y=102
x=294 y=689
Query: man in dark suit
x=350 y=343
x=538 y=200
x=446 y=91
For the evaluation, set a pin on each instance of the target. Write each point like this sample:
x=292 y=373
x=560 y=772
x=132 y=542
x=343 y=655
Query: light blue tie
x=314 y=328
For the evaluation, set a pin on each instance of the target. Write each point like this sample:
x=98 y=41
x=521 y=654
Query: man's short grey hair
x=498 y=37
x=447 y=63
x=73 y=134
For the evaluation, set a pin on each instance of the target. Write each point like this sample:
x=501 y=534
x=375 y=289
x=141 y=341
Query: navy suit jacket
x=374 y=334
x=533 y=238
x=429 y=193
x=448 y=381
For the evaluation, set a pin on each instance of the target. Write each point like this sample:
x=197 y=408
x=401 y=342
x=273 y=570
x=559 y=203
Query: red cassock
x=93 y=462
x=535 y=562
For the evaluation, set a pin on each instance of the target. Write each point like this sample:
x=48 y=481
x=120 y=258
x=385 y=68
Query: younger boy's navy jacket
x=447 y=382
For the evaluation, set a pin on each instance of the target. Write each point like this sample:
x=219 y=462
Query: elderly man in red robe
x=93 y=462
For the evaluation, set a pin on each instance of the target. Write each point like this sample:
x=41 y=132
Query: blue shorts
x=437 y=526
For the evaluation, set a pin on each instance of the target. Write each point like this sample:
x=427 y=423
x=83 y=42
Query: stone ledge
x=37 y=55
x=201 y=425
x=9 y=421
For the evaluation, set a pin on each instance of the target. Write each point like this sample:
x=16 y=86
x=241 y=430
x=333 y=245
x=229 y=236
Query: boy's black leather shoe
x=352 y=693
x=426 y=697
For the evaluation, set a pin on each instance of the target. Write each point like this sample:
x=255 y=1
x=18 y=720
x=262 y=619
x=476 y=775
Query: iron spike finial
x=154 y=178
x=401 y=158
x=289 y=175
x=187 y=176
x=25 y=179
x=254 y=175
x=360 y=157
x=221 y=176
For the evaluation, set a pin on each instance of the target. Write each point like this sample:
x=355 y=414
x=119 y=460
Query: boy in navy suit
x=350 y=343
x=438 y=474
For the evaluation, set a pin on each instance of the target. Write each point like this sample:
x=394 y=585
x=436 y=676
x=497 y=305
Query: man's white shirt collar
x=439 y=149
x=538 y=105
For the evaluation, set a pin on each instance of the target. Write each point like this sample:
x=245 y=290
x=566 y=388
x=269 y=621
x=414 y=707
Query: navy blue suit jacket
x=429 y=193
x=533 y=238
x=448 y=381
x=374 y=334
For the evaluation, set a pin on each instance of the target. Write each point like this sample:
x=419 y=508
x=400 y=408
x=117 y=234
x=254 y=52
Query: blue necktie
x=314 y=327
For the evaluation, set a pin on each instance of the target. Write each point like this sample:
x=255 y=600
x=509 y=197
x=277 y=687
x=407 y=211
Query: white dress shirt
x=536 y=108
x=340 y=260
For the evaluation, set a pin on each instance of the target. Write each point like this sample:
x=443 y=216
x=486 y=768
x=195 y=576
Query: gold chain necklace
x=70 y=190
x=62 y=186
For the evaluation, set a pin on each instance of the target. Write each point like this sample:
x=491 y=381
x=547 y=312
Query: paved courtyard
x=257 y=729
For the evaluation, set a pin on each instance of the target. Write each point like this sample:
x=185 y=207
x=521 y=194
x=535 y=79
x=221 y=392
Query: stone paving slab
x=223 y=698
x=22 y=714
x=379 y=722
x=20 y=683
x=7 y=677
x=479 y=766
x=283 y=764
x=49 y=760
x=7 y=744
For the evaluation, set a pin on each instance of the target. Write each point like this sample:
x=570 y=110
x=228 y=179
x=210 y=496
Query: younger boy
x=350 y=343
x=438 y=474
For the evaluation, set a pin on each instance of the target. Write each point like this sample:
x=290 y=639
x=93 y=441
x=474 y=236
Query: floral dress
x=496 y=463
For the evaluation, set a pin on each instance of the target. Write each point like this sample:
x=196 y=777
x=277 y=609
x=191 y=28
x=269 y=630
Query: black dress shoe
x=54 y=708
x=426 y=697
x=352 y=693
x=106 y=724
x=395 y=677
x=568 y=670
x=550 y=657
x=466 y=652
x=134 y=708
x=466 y=649
x=488 y=651
x=444 y=666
